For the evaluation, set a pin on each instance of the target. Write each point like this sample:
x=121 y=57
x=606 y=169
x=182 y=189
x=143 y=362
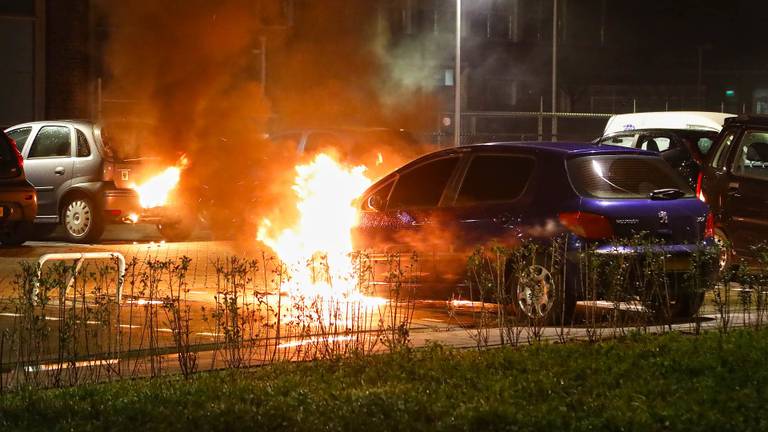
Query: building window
x=447 y=78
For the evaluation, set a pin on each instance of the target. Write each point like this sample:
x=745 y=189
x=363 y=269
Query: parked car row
x=723 y=156
x=673 y=176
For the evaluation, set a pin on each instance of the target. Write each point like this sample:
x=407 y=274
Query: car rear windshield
x=623 y=176
x=126 y=140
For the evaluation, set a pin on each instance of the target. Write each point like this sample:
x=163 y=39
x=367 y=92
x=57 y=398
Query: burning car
x=445 y=204
x=378 y=149
x=83 y=183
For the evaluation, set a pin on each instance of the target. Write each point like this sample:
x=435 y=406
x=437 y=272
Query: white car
x=682 y=137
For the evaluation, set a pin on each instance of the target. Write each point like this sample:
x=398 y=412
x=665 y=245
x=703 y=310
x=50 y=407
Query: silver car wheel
x=535 y=292
x=78 y=218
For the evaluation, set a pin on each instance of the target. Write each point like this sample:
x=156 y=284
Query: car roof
x=81 y=123
x=748 y=119
x=564 y=150
x=560 y=148
x=340 y=130
x=689 y=120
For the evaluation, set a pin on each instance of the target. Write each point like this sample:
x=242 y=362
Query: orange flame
x=325 y=191
x=155 y=191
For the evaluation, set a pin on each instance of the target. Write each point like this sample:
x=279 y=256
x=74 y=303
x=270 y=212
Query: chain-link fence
x=496 y=126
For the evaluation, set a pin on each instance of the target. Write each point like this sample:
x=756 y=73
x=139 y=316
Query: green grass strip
x=642 y=383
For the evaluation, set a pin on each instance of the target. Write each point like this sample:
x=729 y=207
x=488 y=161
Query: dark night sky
x=735 y=30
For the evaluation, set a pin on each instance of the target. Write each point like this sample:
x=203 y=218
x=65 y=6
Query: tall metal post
x=554 y=70
x=457 y=81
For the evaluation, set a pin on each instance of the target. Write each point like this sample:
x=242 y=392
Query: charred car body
x=447 y=203
x=376 y=148
x=81 y=183
x=372 y=147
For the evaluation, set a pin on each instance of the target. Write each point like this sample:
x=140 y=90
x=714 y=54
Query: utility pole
x=554 y=70
x=457 y=81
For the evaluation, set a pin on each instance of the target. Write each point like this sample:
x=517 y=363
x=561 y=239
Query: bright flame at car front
x=325 y=192
x=156 y=190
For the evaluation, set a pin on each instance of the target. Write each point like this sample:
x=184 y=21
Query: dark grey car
x=79 y=183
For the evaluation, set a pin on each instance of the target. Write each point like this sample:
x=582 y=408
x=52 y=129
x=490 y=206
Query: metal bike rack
x=80 y=257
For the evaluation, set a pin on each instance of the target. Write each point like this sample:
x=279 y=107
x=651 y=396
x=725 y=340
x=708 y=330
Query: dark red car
x=734 y=182
x=18 y=200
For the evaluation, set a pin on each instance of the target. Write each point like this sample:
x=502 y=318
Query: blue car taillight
x=590 y=226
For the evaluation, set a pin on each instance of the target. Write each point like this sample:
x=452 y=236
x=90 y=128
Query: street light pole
x=554 y=71
x=457 y=81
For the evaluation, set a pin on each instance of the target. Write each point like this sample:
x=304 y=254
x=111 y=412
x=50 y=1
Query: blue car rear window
x=619 y=176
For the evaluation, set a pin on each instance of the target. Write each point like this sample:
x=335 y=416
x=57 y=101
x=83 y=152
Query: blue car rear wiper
x=666 y=194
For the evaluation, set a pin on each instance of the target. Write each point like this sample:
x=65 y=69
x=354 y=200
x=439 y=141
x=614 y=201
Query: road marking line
x=142 y=302
x=314 y=339
x=208 y=334
x=54 y=366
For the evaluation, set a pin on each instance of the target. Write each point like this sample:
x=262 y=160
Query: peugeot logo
x=663 y=217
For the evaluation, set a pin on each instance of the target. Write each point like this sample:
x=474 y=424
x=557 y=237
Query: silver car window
x=20 y=135
x=51 y=141
x=83 y=149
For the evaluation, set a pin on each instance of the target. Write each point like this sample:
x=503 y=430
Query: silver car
x=79 y=182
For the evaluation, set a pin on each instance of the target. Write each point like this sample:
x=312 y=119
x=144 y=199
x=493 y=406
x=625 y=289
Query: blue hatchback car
x=445 y=204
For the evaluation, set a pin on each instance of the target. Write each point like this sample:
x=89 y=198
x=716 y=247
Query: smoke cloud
x=190 y=71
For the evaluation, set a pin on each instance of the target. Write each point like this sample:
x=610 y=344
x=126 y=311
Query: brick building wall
x=68 y=80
